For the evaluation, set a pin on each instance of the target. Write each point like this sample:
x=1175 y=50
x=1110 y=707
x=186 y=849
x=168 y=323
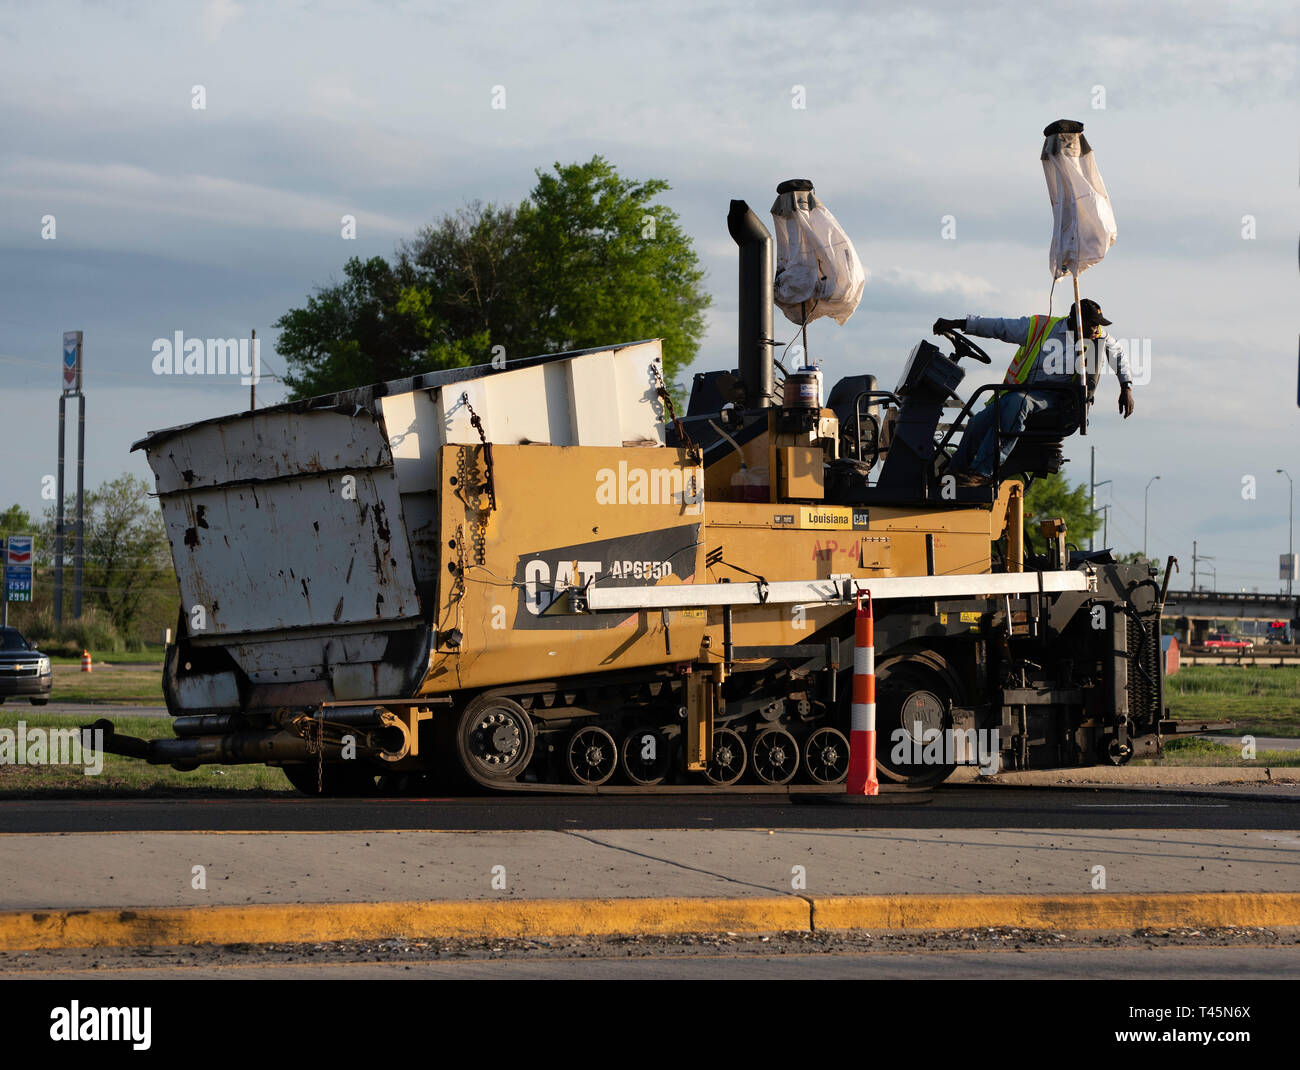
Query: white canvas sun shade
x=818 y=272
x=1083 y=224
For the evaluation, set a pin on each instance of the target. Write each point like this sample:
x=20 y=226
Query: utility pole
x=1146 y=510
x=1290 y=546
x=252 y=387
x=1201 y=557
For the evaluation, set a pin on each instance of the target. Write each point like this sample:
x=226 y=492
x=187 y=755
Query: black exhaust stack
x=755 y=334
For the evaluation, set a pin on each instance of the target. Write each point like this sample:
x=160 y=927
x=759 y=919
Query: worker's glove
x=1126 y=405
x=948 y=325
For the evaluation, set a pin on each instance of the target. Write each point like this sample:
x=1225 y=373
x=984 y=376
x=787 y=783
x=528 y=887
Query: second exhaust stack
x=755 y=327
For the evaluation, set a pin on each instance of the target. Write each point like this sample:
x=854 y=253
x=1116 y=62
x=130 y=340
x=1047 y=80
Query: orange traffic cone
x=85 y=661
x=862 y=724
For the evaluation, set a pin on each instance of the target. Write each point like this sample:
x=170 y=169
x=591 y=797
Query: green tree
x=588 y=259
x=1051 y=496
x=15 y=521
x=606 y=263
x=127 y=561
x=468 y=285
x=351 y=333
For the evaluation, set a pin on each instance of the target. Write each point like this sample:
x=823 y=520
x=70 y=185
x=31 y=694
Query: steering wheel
x=964 y=347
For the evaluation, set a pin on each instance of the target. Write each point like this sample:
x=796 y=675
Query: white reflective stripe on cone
x=862 y=717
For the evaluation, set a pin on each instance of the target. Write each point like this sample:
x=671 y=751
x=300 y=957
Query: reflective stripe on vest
x=1027 y=355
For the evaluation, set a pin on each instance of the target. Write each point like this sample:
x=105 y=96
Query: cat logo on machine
x=861 y=519
x=639 y=560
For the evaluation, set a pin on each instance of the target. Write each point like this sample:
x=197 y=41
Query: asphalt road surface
x=963 y=807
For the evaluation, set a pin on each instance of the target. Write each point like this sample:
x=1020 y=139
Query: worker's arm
x=1118 y=359
x=1014 y=331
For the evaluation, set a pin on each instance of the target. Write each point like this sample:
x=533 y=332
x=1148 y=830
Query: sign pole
x=4 y=590
x=79 y=559
x=71 y=380
x=58 y=524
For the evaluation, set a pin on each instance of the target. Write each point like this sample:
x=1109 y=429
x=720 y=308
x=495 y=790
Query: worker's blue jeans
x=975 y=452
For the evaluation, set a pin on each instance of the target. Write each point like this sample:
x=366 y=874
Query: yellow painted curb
x=523 y=918
x=1100 y=911
x=318 y=922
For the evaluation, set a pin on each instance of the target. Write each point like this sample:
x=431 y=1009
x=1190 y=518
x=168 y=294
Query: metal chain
x=487 y=449
x=661 y=391
x=318 y=747
x=458 y=588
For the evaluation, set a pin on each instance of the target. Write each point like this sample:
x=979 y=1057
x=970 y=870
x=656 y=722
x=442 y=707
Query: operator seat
x=1039 y=451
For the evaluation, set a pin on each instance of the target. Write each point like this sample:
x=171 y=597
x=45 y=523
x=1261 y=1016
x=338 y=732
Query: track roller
x=775 y=757
x=826 y=756
x=647 y=754
x=592 y=755
x=729 y=758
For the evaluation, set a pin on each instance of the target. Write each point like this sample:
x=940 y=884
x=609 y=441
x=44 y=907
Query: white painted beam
x=838 y=589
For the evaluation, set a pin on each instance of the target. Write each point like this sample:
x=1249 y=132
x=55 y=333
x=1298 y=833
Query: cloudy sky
x=217 y=220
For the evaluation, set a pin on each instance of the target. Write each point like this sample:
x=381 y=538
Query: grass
x=126 y=687
x=148 y=656
x=1198 y=751
x=125 y=776
x=1261 y=701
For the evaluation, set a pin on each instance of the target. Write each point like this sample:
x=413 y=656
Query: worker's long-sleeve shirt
x=1046 y=371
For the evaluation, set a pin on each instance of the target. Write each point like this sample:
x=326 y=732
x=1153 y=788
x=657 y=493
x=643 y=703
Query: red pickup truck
x=1226 y=641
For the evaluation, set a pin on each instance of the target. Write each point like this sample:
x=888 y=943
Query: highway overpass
x=1197 y=611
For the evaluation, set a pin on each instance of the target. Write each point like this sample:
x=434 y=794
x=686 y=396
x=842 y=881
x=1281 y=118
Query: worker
x=1042 y=359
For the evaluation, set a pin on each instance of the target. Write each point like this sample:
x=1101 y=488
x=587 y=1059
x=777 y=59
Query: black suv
x=24 y=671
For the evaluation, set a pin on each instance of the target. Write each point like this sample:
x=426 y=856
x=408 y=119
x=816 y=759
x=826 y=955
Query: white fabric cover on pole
x=1083 y=225
x=817 y=268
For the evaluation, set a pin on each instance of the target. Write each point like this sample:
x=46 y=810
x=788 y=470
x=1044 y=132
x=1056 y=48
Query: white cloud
x=947 y=283
x=126 y=188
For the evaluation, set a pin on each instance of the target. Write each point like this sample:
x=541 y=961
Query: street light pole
x=1146 y=511
x=1095 y=510
x=1092 y=539
x=1290 y=546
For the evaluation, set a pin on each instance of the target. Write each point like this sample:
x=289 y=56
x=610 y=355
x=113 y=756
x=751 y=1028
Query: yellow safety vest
x=1027 y=355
